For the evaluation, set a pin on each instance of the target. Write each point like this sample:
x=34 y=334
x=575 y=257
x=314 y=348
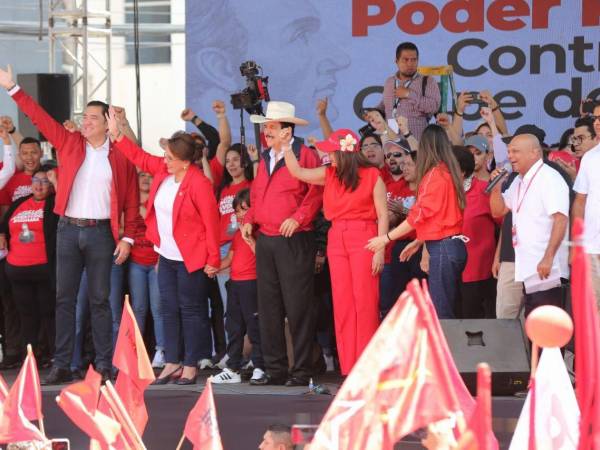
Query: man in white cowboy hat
x=282 y=211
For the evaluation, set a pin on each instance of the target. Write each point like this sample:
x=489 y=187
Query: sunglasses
x=394 y=154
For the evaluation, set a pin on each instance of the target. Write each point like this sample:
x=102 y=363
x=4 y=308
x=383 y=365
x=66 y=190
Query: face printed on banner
x=292 y=47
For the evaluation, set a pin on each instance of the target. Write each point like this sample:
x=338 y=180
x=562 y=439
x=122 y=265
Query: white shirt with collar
x=276 y=157
x=533 y=199
x=588 y=183
x=90 y=193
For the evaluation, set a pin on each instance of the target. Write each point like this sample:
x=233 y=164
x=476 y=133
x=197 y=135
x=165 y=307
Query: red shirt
x=226 y=207
x=71 y=151
x=31 y=213
x=216 y=170
x=243 y=264
x=195 y=216
x=279 y=196
x=18 y=186
x=142 y=251
x=436 y=214
x=339 y=202
x=399 y=191
x=480 y=227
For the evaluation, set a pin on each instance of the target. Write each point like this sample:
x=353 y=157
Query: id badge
x=515 y=240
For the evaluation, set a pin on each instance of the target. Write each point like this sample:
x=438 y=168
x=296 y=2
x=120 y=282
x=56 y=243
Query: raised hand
x=322 y=106
x=252 y=152
x=4 y=136
x=443 y=120
x=402 y=124
x=7 y=122
x=461 y=102
x=70 y=126
x=6 y=78
x=113 y=126
x=218 y=107
x=187 y=114
x=487 y=114
x=487 y=97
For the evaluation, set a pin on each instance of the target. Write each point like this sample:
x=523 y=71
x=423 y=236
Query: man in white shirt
x=539 y=201
x=587 y=204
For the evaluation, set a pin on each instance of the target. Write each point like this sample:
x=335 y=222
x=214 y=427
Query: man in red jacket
x=96 y=187
x=283 y=209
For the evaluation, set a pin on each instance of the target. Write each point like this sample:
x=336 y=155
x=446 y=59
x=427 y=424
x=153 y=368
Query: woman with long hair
x=437 y=218
x=354 y=200
x=183 y=224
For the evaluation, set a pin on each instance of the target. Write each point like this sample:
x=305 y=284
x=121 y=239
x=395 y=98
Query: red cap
x=343 y=140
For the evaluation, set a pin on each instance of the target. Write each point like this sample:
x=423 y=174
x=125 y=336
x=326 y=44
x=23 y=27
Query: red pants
x=355 y=289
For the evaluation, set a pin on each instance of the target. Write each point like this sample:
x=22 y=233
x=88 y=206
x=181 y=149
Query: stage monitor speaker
x=498 y=342
x=52 y=91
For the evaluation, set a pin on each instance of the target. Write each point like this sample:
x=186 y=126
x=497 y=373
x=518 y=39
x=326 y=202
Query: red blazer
x=70 y=150
x=279 y=196
x=195 y=213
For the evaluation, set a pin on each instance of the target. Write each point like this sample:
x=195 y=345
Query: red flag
x=587 y=344
x=390 y=394
x=31 y=402
x=135 y=369
x=479 y=434
x=201 y=426
x=14 y=425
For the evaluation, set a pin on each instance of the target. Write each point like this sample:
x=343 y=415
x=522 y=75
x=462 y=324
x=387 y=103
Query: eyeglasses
x=394 y=154
x=37 y=180
x=371 y=145
x=594 y=118
x=580 y=138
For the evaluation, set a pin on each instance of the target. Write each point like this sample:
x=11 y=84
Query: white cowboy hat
x=279 y=112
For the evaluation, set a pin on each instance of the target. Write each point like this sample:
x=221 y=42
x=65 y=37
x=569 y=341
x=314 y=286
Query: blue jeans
x=143 y=284
x=82 y=311
x=222 y=278
x=184 y=302
x=78 y=248
x=447 y=259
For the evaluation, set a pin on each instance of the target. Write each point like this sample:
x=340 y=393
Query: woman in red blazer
x=182 y=222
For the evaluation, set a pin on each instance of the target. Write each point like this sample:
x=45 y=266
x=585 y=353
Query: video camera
x=255 y=92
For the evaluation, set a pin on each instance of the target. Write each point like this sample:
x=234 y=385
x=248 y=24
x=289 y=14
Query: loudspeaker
x=498 y=342
x=52 y=91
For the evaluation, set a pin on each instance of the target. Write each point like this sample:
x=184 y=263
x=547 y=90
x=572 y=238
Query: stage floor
x=244 y=412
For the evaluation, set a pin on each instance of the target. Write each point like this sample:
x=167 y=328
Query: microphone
x=495 y=181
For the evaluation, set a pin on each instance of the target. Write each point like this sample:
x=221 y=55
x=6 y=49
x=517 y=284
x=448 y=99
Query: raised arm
x=208 y=131
x=323 y=119
x=50 y=128
x=8 y=123
x=138 y=156
x=8 y=167
x=497 y=113
x=308 y=175
x=224 y=131
x=123 y=123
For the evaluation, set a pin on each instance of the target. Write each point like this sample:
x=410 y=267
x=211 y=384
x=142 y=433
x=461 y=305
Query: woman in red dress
x=354 y=200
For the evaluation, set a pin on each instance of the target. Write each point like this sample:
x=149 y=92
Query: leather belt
x=85 y=222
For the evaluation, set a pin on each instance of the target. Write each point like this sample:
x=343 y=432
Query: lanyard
x=520 y=203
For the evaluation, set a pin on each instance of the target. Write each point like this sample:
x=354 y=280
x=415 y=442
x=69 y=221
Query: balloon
x=549 y=326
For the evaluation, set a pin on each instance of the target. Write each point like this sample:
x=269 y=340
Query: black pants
x=11 y=335
x=285 y=272
x=555 y=296
x=477 y=300
x=33 y=290
x=217 y=318
x=241 y=319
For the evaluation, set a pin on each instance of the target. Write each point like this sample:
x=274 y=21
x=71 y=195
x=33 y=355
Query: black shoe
x=296 y=381
x=106 y=375
x=268 y=380
x=10 y=362
x=185 y=381
x=165 y=380
x=57 y=376
x=77 y=374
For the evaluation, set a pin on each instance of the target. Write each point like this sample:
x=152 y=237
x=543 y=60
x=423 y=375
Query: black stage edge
x=244 y=412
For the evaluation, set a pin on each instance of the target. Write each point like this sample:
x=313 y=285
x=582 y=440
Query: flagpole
x=118 y=407
x=181 y=441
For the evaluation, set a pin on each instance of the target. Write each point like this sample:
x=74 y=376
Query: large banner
x=539 y=57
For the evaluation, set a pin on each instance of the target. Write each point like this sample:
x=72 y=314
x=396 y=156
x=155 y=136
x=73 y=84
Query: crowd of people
x=283 y=260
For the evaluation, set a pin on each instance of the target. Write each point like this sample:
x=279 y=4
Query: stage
x=244 y=412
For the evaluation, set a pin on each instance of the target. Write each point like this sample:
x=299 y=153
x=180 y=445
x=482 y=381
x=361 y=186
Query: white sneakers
x=227 y=376
x=205 y=363
x=158 y=362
